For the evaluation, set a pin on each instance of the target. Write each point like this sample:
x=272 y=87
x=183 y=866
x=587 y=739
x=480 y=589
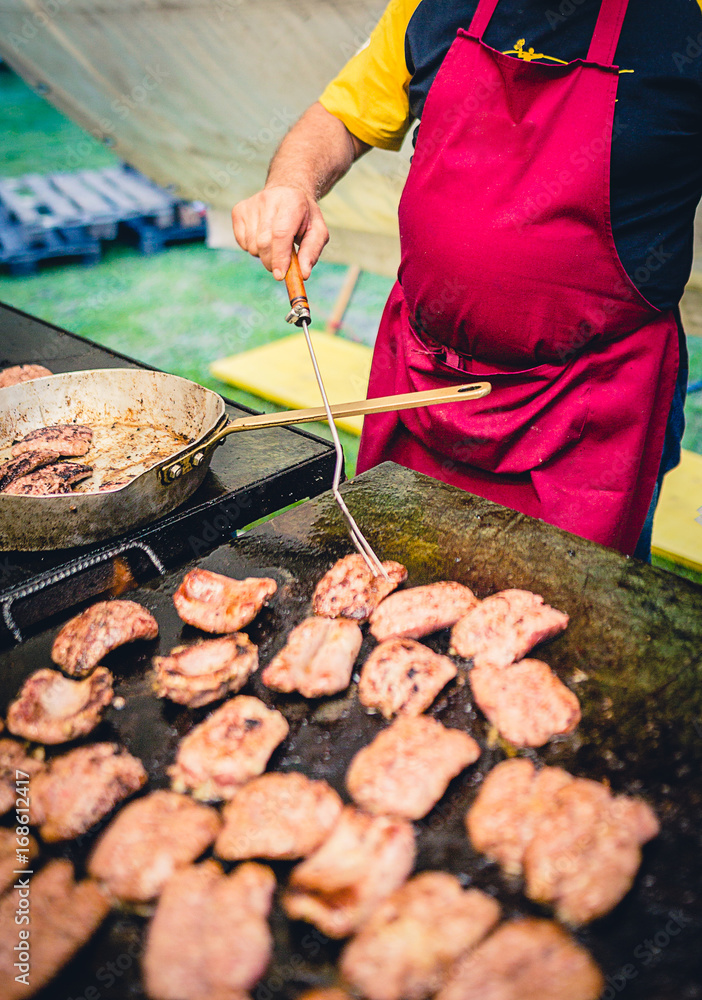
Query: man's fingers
x=281 y=249
x=312 y=244
x=266 y=225
x=245 y=219
x=239 y=226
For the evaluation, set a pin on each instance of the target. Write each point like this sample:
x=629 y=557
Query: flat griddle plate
x=634 y=646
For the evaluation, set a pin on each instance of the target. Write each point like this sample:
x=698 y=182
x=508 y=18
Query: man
x=546 y=238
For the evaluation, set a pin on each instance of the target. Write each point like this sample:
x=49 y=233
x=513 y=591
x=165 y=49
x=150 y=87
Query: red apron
x=509 y=272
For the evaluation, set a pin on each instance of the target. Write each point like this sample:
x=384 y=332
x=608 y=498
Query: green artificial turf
x=37 y=139
x=693 y=406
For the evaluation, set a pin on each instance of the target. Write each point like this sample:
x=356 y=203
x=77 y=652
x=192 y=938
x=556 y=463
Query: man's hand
x=267 y=224
x=313 y=156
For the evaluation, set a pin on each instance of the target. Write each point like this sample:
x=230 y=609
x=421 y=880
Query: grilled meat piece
x=95 y=632
x=22 y=373
x=512 y=801
x=408 y=766
x=231 y=746
x=209 y=939
x=419 y=611
x=525 y=701
x=216 y=603
x=78 y=788
x=406 y=949
x=578 y=846
x=51 y=708
x=278 y=816
x=69 y=440
x=360 y=864
x=148 y=840
x=584 y=860
x=16 y=468
x=13 y=759
x=525 y=960
x=10 y=864
x=403 y=677
x=504 y=627
x=57 y=478
x=206 y=671
x=349 y=589
x=63 y=914
x=317 y=659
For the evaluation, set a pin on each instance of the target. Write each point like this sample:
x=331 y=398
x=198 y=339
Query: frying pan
x=146 y=399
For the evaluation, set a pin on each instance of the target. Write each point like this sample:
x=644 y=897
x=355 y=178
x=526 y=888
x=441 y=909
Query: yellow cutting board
x=282 y=372
x=677 y=535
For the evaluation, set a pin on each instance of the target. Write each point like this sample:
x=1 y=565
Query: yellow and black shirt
x=656 y=179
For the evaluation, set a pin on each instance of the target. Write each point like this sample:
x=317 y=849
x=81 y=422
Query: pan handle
x=197 y=454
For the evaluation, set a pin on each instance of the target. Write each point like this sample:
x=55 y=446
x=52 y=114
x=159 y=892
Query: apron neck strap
x=607 y=31
x=604 y=41
x=482 y=17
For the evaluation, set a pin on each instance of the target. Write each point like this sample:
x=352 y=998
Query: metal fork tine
x=357 y=537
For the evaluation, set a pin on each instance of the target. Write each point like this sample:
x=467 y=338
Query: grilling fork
x=300 y=315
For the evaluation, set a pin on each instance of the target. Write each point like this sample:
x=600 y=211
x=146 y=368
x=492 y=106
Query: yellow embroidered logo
x=530 y=54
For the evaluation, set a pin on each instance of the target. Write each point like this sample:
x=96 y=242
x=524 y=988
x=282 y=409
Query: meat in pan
x=525 y=959
x=10 y=865
x=419 y=611
x=279 y=817
x=91 y=635
x=525 y=701
x=209 y=939
x=16 y=468
x=14 y=759
x=148 y=840
x=22 y=373
x=78 y=788
x=52 y=708
x=362 y=863
x=231 y=746
x=408 y=766
x=69 y=440
x=349 y=589
x=317 y=659
x=206 y=671
x=579 y=846
x=403 y=677
x=63 y=914
x=504 y=627
x=55 y=479
x=406 y=949
x=216 y=603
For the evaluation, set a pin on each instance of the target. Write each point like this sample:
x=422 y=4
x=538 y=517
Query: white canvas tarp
x=198 y=93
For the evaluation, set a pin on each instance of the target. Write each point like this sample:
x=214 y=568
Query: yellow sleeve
x=370 y=94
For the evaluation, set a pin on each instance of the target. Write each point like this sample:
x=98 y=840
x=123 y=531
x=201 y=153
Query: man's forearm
x=315 y=153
